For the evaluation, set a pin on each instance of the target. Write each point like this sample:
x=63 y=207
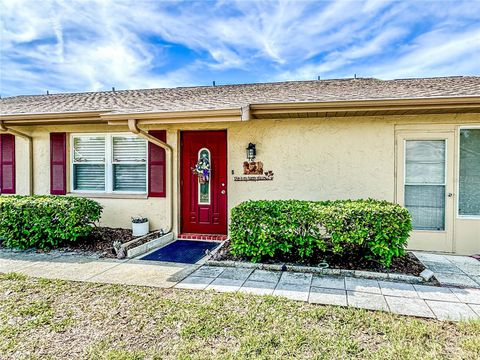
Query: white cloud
x=74 y=45
x=448 y=47
x=438 y=51
x=78 y=45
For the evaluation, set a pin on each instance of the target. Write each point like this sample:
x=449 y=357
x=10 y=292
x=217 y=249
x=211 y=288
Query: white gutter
x=133 y=127
x=4 y=129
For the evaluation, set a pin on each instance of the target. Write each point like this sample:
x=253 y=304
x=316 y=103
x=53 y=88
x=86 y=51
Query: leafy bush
x=377 y=229
x=45 y=221
x=266 y=228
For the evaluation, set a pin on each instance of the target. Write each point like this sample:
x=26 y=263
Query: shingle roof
x=235 y=96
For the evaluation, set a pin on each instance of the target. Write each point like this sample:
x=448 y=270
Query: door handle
x=222 y=192
x=449 y=194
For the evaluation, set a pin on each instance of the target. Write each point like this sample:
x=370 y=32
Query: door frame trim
x=429 y=134
x=179 y=174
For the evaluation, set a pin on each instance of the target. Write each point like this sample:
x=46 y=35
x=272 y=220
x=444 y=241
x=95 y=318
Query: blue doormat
x=182 y=251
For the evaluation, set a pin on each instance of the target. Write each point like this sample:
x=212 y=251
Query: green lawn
x=59 y=319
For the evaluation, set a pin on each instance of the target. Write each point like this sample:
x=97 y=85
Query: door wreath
x=202 y=168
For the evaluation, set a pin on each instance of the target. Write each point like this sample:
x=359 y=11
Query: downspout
x=4 y=129
x=133 y=127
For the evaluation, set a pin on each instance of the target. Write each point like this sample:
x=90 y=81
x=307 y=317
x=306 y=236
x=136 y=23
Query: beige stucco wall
x=467 y=236
x=22 y=166
x=315 y=160
x=326 y=158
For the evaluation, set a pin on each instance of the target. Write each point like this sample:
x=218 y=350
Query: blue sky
x=81 y=45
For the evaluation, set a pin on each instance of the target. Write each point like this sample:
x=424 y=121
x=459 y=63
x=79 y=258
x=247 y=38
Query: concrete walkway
x=402 y=298
x=85 y=268
x=415 y=300
x=452 y=270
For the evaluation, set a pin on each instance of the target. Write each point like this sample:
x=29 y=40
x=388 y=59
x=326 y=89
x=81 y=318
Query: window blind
x=127 y=177
x=89 y=149
x=89 y=163
x=129 y=159
x=129 y=149
x=89 y=177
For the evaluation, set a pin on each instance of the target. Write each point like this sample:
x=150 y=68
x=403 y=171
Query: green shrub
x=377 y=229
x=267 y=228
x=45 y=221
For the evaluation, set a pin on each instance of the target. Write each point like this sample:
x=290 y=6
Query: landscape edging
x=312 y=269
x=143 y=248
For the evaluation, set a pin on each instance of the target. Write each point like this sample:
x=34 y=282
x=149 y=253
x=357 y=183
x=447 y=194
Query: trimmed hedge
x=45 y=221
x=377 y=229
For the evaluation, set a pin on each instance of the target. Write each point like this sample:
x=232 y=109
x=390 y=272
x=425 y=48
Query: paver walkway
x=443 y=303
x=402 y=298
x=452 y=270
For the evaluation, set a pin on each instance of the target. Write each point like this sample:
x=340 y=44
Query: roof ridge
x=195 y=87
x=239 y=85
x=437 y=77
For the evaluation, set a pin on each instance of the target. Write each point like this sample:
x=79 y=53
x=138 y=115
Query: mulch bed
x=349 y=260
x=100 y=241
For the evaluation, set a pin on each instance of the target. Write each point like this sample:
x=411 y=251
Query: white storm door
x=425 y=187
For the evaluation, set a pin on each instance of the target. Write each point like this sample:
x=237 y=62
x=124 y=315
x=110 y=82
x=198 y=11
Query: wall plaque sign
x=266 y=176
x=252 y=168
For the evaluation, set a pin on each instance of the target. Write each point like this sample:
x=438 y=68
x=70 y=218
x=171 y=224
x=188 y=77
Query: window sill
x=109 y=196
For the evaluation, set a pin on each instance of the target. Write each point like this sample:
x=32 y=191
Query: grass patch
x=14 y=276
x=61 y=319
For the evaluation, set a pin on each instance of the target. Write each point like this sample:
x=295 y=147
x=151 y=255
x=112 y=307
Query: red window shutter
x=157 y=166
x=58 y=163
x=7 y=164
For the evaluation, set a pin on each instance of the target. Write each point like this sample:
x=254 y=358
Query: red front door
x=204 y=191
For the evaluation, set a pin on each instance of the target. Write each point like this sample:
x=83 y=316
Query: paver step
x=192 y=236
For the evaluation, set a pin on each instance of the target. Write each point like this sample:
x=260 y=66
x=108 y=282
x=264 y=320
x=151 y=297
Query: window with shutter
x=109 y=163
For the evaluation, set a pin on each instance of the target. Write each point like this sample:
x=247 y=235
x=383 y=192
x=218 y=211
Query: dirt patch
x=349 y=260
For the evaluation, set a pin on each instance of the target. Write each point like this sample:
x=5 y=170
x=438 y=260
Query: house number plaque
x=266 y=176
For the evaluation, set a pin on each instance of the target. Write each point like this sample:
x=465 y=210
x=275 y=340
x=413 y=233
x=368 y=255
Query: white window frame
x=463 y=217
x=109 y=162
